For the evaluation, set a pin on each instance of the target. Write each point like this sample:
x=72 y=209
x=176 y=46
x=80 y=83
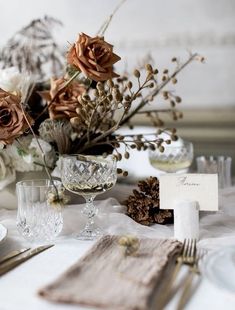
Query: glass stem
x=90 y=211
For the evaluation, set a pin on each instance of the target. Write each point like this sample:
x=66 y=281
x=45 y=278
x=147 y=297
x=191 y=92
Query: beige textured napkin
x=107 y=279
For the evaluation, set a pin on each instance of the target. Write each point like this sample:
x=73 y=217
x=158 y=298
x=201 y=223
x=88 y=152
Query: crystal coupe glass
x=88 y=176
x=174 y=158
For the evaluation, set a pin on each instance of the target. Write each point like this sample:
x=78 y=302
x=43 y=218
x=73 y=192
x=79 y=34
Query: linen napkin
x=108 y=279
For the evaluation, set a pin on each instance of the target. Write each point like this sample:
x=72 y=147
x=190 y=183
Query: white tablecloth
x=18 y=288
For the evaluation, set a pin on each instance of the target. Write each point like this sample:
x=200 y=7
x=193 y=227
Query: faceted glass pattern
x=37 y=219
x=174 y=158
x=88 y=176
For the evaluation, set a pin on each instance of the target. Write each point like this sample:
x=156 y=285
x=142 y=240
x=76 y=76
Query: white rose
x=46 y=147
x=26 y=155
x=13 y=81
x=47 y=150
x=7 y=173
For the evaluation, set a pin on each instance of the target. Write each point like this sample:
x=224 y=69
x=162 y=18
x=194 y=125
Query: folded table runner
x=108 y=279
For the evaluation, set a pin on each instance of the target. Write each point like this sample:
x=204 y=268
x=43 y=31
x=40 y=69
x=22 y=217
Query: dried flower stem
x=156 y=91
x=154 y=111
x=43 y=154
x=105 y=25
x=122 y=120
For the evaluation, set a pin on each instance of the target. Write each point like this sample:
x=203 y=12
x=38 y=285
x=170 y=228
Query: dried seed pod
x=201 y=58
x=161 y=148
x=174 y=116
x=119 y=157
x=119 y=171
x=127 y=97
x=75 y=121
x=174 y=59
x=149 y=68
x=178 y=99
x=126 y=155
x=129 y=85
x=137 y=73
x=174 y=80
x=125 y=173
x=86 y=97
x=155 y=71
x=96 y=93
x=110 y=83
x=172 y=103
x=174 y=137
x=100 y=86
x=110 y=97
x=165 y=71
x=130 y=244
x=116 y=144
x=149 y=76
x=121 y=138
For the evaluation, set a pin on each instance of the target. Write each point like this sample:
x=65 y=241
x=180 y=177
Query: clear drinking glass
x=174 y=158
x=88 y=176
x=216 y=164
x=37 y=219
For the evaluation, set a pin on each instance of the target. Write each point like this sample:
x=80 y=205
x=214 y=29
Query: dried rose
x=12 y=120
x=94 y=57
x=66 y=103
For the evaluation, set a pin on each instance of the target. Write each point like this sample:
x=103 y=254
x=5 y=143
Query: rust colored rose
x=12 y=120
x=66 y=103
x=94 y=57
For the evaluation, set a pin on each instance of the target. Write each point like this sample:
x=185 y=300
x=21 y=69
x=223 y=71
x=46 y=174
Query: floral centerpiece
x=81 y=110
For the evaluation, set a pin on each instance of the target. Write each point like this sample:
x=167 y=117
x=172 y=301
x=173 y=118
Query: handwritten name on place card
x=195 y=187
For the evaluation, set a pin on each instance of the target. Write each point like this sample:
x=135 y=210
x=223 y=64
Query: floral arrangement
x=81 y=110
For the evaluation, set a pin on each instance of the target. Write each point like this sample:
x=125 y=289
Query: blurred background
x=159 y=29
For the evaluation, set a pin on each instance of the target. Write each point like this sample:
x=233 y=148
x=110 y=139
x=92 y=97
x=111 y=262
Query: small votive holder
x=186 y=220
x=37 y=219
x=216 y=164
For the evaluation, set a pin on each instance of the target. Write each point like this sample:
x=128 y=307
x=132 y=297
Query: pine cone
x=143 y=205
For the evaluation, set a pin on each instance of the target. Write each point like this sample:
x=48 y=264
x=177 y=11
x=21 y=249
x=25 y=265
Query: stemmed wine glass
x=174 y=158
x=88 y=176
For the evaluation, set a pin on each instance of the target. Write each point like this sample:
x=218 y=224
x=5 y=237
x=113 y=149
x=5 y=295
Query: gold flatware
x=188 y=290
x=13 y=254
x=12 y=263
x=186 y=257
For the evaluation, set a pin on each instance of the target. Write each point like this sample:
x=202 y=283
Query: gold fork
x=187 y=287
x=187 y=256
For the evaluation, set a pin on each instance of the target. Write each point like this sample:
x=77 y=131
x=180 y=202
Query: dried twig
x=158 y=89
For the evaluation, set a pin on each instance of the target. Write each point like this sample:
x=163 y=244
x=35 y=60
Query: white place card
x=202 y=188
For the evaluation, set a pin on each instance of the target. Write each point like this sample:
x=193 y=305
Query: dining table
x=19 y=287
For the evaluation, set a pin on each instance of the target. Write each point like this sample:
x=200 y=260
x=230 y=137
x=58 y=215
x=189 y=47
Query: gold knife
x=10 y=264
x=13 y=254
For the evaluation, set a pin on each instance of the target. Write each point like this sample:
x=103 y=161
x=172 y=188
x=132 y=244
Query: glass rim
x=213 y=157
x=184 y=145
x=89 y=156
x=21 y=183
